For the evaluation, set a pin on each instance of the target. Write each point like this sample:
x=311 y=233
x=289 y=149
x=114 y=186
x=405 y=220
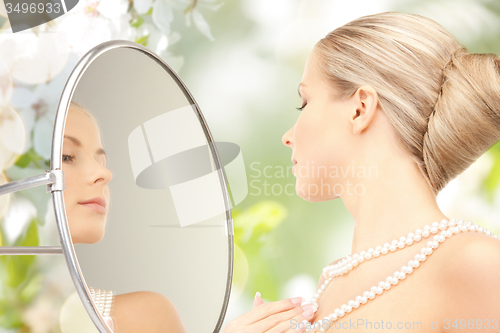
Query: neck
x=395 y=202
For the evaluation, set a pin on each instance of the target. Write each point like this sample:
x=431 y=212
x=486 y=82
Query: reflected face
x=86 y=194
x=320 y=139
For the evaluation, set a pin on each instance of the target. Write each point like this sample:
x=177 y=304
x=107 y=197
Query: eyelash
x=302 y=107
x=71 y=158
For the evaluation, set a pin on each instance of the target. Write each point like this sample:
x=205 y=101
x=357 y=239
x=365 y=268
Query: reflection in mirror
x=144 y=200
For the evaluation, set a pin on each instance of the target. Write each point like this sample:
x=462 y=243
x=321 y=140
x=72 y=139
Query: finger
x=265 y=310
x=257 y=300
x=281 y=322
x=299 y=322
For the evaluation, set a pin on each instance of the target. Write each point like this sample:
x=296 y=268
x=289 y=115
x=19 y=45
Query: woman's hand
x=281 y=316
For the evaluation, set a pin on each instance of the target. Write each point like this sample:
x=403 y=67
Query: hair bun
x=466 y=119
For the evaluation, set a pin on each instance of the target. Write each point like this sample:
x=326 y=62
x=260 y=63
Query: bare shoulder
x=469 y=275
x=322 y=278
x=145 y=311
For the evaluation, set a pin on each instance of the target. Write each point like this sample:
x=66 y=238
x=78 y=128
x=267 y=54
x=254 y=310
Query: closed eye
x=302 y=107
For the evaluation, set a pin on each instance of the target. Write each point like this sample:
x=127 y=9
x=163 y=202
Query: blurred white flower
x=202 y=24
x=33 y=58
x=4 y=199
x=19 y=213
x=163 y=15
x=199 y=21
x=12 y=136
x=91 y=23
x=142 y=6
x=5 y=84
x=37 y=108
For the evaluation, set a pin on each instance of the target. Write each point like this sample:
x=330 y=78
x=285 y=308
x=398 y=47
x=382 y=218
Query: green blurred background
x=245 y=82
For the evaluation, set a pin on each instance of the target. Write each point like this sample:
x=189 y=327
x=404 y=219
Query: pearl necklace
x=448 y=229
x=104 y=300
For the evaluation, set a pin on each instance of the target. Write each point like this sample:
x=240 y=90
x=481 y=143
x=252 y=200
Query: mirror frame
x=54 y=180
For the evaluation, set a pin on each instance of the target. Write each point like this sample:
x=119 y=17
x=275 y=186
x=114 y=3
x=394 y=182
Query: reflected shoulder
x=145 y=311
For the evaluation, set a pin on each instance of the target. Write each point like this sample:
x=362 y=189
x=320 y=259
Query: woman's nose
x=101 y=174
x=287 y=138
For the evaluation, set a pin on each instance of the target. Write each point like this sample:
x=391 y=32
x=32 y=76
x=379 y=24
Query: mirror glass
x=144 y=200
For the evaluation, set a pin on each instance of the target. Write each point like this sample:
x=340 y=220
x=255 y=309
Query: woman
x=399 y=96
x=86 y=200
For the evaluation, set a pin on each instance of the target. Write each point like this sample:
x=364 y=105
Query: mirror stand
x=54 y=179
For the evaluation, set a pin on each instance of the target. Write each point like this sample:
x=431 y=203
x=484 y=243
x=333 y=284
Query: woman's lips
x=96 y=204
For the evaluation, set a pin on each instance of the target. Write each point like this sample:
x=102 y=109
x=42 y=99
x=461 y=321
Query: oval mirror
x=144 y=218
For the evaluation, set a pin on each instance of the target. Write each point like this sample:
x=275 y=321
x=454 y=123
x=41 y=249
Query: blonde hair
x=443 y=102
x=82 y=109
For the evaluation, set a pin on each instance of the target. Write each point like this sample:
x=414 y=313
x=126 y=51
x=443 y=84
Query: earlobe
x=365 y=103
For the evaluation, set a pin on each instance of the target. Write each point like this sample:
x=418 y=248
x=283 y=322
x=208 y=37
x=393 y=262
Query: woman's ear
x=365 y=107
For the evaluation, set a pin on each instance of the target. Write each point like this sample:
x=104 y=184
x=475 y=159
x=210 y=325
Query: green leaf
x=143 y=40
x=493 y=180
x=18 y=267
x=137 y=22
x=30 y=156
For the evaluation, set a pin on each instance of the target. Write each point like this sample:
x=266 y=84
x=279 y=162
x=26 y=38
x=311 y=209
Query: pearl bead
x=441 y=232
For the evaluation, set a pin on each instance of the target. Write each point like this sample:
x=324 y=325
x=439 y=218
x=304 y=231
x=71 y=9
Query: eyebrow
x=298 y=90
x=77 y=143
